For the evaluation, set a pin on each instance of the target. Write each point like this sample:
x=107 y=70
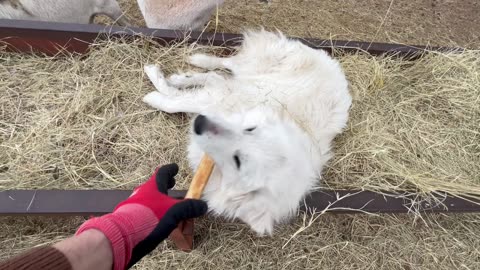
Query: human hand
x=145 y=219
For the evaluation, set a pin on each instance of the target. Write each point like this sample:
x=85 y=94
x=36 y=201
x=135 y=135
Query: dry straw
x=78 y=122
x=332 y=242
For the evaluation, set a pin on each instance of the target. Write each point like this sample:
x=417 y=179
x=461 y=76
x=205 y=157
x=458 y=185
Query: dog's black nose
x=200 y=124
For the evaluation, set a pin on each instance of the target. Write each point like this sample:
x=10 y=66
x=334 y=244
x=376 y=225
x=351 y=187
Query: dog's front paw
x=153 y=71
x=261 y=223
x=153 y=99
x=262 y=230
x=156 y=77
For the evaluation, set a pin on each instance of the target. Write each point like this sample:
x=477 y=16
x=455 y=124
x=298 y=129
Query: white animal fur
x=298 y=100
x=177 y=14
x=67 y=11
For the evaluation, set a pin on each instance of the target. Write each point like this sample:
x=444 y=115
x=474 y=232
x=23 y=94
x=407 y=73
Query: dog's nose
x=200 y=124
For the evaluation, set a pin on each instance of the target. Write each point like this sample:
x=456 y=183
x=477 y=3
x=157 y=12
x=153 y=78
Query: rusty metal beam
x=98 y=202
x=50 y=38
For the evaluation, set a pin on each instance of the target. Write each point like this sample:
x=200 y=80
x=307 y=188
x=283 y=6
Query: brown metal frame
x=53 y=38
x=98 y=202
x=50 y=38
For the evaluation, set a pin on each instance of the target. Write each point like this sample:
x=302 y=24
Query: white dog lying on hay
x=269 y=125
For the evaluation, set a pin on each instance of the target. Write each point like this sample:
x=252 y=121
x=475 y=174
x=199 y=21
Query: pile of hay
x=78 y=122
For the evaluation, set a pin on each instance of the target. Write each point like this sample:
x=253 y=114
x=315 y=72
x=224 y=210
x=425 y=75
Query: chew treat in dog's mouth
x=182 y=236
x=200 y=179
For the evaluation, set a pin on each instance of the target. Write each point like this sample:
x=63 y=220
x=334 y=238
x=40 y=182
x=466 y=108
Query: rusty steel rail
x=98 y=202
x=51 y=38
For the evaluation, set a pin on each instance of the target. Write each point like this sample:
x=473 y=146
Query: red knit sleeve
x=38 y=258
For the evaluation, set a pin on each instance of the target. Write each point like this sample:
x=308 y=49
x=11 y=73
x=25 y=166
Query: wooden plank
x=98 y=202
x=50 y=38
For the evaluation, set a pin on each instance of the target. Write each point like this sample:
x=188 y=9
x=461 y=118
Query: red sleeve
x=38 y=258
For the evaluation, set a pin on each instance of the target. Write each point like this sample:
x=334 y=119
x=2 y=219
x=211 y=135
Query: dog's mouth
x=203 y=125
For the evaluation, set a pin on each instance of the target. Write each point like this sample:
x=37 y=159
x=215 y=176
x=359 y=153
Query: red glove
x=146 y=218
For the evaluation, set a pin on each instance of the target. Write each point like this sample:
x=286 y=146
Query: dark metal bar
x=387 y=202
x=98 y=202
x=64 y=202
x=50 y=38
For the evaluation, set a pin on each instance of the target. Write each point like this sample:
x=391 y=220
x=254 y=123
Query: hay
x=413 y=125
x=332 y=242
x=78 y=122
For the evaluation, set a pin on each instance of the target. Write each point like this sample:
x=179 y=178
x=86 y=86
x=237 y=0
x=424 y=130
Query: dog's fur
x=66 y=11
x=269 y=125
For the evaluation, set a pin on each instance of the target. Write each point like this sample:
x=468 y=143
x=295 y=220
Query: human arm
x=134 y=229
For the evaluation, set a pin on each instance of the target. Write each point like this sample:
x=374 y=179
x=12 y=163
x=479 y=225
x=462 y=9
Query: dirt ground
x=419 y=22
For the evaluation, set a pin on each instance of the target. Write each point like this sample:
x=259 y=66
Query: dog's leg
x=210 y=62
x=171 y=100
x=254 y=211
x=195 y=103
x=184 y=80
x=259 y=219
x=156 y=77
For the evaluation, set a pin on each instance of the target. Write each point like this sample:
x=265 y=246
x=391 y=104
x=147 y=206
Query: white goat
x=67 y=11
x=177 y=14
x=269 y=126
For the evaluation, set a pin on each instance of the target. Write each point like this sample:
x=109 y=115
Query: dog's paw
x=260 y=222
x=262 y=229
x=156 y=76
x=153 y=71
x=153 y=99
x=158 y=80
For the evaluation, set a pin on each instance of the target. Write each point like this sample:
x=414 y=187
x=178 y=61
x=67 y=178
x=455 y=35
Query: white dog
x=269 y=125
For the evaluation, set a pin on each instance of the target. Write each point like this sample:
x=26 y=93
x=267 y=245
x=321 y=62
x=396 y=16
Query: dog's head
x=256 y=147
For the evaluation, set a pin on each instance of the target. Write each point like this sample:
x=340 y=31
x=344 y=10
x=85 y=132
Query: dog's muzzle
x=202 y=124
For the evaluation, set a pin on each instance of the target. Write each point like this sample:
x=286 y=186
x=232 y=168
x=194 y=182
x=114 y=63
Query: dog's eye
x=237 y=161
x=250 y=129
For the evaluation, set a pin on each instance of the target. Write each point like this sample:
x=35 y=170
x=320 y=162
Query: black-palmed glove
x=146 y=218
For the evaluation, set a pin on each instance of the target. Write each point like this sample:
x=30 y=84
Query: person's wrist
x=124 y=229
x=75 y=248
